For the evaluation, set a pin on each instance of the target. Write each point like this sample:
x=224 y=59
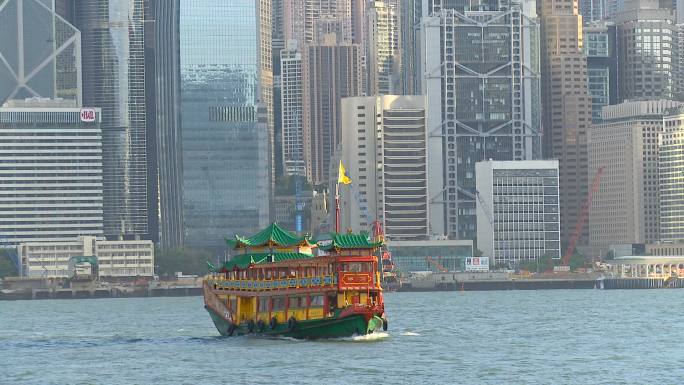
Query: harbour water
x=500 y=337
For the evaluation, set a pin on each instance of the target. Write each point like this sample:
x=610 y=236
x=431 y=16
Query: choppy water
x=532 y=337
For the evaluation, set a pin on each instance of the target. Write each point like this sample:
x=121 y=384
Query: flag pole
x=337 y=207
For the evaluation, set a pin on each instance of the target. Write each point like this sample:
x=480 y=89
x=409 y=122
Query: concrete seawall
x=113 y=292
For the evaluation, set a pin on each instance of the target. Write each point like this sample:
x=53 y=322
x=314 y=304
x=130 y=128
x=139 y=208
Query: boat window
x=233 y=304
x=268 y=274
x=355 y=267
x=297 y=302
x=263 y=304
x=316 y=300
x=278 y=303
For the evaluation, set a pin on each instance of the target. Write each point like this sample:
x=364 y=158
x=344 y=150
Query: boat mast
x=337 y=207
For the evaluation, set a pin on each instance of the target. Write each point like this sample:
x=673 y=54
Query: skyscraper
x=566 y=105
x=383 y=51
x=331 y=72
x=670 y=182
x=51 y=171
x=167 y=122
x=481 y=78
x=600 y=40
x=384 y=147
x=626 y=145
x=114 y=79
x=226 y=107
x=40 y=53
x=647 y=44
x=292 y=110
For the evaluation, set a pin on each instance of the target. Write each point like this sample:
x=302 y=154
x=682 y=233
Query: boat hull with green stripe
x=278 y=284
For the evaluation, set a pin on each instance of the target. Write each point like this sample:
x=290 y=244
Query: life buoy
x=273 y=323
x=260 y=325
x=291 y=324
x=250 y=326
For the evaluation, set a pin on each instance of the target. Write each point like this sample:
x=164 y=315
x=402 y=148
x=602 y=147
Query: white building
x=670 y=181
x=384 y=151
x=292 y=110
x=116 y=259
x=50 y=172
x=517 y=210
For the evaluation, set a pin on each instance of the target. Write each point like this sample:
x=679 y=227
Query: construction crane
x=583 y=217
x=485 y=208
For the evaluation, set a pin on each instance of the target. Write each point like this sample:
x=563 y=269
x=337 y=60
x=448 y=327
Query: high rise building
x=647 y=45
x=226 y=112
x=303 y=19
x=670 y=171
x=113 y=54
x=593 y=10
x=384 y=148
x=566 y=105
x=383 y=49
x=481 y=79
x=331 y=71
x=51 y=168
x=600 y=40
x=40 y=53
x=292 y=110
x=517 y=211
x=410 y=14
x=167 y=130
x=626 y=145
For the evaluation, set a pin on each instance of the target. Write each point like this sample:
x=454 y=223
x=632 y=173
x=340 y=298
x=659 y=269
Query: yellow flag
x=343 y=178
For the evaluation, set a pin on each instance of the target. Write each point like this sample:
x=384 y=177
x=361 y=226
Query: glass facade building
x=114 y=80
x=40 y=53
x=226 y=126
x=482 y=75
x=411 y=256
x=602 y=66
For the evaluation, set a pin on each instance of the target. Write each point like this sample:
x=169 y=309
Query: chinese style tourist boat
x=283 y=285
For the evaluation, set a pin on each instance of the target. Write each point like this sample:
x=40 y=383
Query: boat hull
x=332 y=327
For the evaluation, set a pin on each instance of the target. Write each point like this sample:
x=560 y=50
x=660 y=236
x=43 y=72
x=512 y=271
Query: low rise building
x=116 y=259
x=518 y=215
x=436 y=255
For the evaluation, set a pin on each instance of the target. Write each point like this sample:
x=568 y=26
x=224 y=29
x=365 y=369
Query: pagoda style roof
x=243 y=261
x=348 y=241
x=273 y=235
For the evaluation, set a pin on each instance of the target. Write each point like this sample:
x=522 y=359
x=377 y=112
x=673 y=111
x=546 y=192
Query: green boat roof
x=348 y=241
x=244 y=260
x=273 y=235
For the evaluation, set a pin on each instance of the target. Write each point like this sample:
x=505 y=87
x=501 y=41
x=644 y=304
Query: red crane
x=582 y=218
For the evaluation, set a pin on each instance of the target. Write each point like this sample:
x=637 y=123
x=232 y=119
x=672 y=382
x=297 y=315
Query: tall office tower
x=592 y=10
x=226 y=126
x=292 y=110
x=384 y=150
x=670 y=171
x=600 y=40
x=168 y=122
x=566 y=105
x=51 y=167
x=150 y=27
x=331 y=72
x=481 y=79
x=517 y=213
x=114 y=75
x=383 y=49
x=679 y=63
x=626 y=144
x=410 y=14
x=647 y=45
x=40 y=53
x=300 y=19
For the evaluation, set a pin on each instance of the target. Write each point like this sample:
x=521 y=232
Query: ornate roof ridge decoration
x=242 y=261
x=271 y=236
x=348 y=241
